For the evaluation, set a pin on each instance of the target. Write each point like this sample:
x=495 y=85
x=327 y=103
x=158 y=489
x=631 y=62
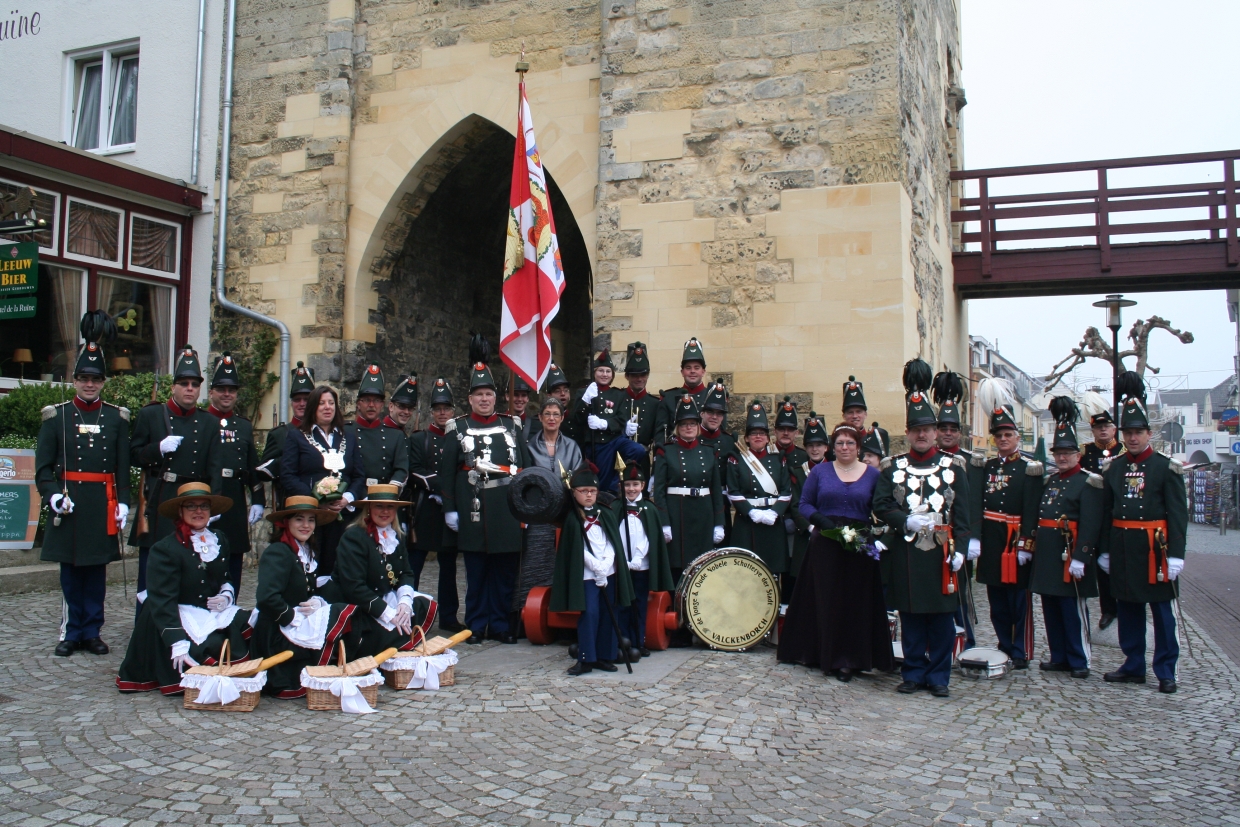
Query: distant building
x=986 y=361
x=1200 y=412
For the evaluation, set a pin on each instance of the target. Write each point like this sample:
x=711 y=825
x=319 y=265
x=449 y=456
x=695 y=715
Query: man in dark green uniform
x=914 y=496
x=817 y=444
x=714 y=434
x=1069 y=525
x=1005 y=512
x=693 y=371
x=273 y=449
x=173 y=443
x=1145 y=524
x=429 y=532
x=238 y=466
x=688 y=490
x=854 y=410
x=760 y=490
x=599 y=414
x=82 y=472
x=1095 y=458
x=640 y=406
x=385 y=451
x=796 y=527
x=947 y=392
x=484 y=451
x=519 y=406
x=404 y=402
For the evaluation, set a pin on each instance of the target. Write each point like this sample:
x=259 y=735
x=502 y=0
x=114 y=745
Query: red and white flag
x=533 y=273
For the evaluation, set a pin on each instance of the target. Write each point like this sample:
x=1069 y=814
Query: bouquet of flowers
x=859 y=540
x=329 y=489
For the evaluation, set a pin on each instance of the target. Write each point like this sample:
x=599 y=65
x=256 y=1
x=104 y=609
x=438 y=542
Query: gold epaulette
x=48 y=412
x=1177 y=467
x=978 y=459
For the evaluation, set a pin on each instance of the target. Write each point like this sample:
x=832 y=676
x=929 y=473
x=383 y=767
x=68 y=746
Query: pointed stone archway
x=436 y=267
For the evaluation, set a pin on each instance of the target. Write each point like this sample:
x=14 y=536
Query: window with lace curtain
x=94 y=232
x=154 y=246
x=104 y=108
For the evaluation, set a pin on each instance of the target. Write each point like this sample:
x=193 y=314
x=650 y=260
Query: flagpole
x=522 y=68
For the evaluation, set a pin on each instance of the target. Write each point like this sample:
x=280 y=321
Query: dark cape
x=568 y=587
x=660 y=565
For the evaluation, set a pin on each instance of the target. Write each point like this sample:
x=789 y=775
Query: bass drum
x=728 y=598
x=983 y=662
x=537 y=495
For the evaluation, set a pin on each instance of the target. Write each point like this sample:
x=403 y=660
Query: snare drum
x=984 y=662
x=728 y=598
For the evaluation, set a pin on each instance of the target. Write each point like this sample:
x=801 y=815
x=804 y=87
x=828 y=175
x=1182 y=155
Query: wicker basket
x=248 y=700
x=323 y=699
x=400 y=678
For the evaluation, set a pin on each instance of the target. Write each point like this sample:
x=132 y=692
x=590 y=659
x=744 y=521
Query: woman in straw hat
x=189 y=608
x=298 y=609
x=373 y=572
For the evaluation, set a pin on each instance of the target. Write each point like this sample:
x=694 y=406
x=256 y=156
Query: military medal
x=391 y=575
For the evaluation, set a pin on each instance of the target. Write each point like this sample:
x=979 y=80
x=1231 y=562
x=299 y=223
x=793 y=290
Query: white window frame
x=174 y=274
x=55 y=222
x=172 y=333
x=120 y=235
x=109 y=57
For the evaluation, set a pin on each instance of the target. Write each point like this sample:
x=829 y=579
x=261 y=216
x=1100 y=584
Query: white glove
x=600 y=580
x=122 y=515
x=630 y=429
x=309 y=607
x=590 y=393
x=169 y=444
x=256 y=513
x=975 y=548
x=596 y=423
x=758 y=515
x=1104 y=562
x=1175 y=565
x=718 y=534
x=880 y=545
x=1023 y=558
x=61 y=504
x=667 y=533
x=917 y=522
x=180 y=656
x=403 y=621
x=957 y=561
x=437 y=499
x=214 y=517
x=1077 y=569
x=453 y=520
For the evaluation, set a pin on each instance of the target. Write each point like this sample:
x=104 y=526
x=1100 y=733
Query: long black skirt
x=837 y=618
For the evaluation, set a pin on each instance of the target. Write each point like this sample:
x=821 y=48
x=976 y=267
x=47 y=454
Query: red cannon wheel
x=660 y=621
x=534 y=616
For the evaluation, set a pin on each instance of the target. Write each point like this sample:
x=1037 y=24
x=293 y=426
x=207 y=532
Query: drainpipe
x=202 y=28
x=230 y=39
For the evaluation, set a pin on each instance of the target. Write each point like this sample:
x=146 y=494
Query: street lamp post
x=1114 y=304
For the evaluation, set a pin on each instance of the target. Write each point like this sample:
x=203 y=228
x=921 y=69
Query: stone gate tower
x=771 y=177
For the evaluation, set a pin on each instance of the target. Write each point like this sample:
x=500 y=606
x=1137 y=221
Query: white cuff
x=180 y=649
x=405 y=595
x=323 y=581
x=348 y=497
x=387 y=615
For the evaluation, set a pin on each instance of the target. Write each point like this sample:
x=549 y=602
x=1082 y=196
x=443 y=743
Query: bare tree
x=1094 y=345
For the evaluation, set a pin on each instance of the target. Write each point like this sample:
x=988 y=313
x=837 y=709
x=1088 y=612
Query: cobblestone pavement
x=1211 y=588
x=706 y=737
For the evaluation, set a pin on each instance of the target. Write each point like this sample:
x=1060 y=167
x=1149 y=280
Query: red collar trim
x=701 y=387
x=955 y=450
x=177 y=410
x=294 y=423
x=602 y=387
x=391 y=423
x=488 y=420
x=1108 y=446
x=1143 y=456
x=1012 y=457
x=918 y=457
x=632 y=395
x=1076 y=469
x=83 y=405
x=216 y=412
x=707 y=433
x=787 y=450
x=435 y=429
x=688 y=446
x=367 y=423
x=815 y=464
x=762 y=453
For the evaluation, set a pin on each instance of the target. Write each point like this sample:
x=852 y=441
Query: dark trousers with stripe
x=633 y=616
x=449 y=602
x=1106 y=601
x=927 y=641
x=1067 y=630
x=83 y=588
x=490 y=580
x=1131 y=619
x=596 y=637
x=1010 y=614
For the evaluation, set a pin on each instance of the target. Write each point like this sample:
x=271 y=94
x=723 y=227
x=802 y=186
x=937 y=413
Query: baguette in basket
x=429 y=665
x=230 y=687
x=351 y=687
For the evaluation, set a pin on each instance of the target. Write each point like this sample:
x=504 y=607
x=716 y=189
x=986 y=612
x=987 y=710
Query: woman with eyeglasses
x=189 y=607
x=318 y=457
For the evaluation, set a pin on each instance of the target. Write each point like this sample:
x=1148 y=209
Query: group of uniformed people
x=359 y=507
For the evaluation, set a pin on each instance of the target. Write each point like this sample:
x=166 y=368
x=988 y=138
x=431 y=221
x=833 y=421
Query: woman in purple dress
x=837 y=620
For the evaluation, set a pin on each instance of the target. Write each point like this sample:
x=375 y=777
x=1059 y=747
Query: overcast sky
x=1055 y=81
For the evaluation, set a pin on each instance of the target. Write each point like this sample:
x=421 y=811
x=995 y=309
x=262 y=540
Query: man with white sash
x=760 y=490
